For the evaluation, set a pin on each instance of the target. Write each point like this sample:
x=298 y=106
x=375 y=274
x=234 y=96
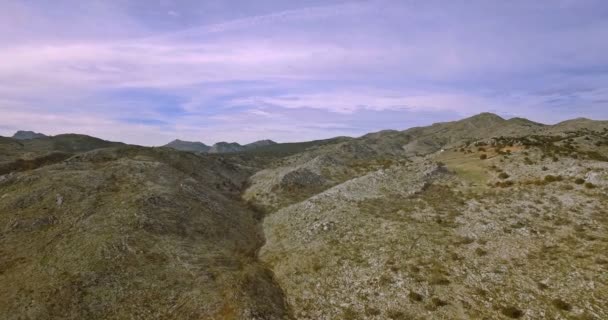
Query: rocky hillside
x=130 y=232
x=482 y=218
x=480 y=225
x=402 y=242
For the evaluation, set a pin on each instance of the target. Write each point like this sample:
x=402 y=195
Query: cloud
x=205 y=74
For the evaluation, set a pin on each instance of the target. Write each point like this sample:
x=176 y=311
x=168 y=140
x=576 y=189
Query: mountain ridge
x=219 y=147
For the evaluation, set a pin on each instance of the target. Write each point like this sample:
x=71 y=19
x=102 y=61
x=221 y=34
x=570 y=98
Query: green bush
x=503 y=175
x=483 y=156
x=579 y=181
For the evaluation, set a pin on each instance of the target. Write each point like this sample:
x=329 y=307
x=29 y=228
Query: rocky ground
x=420 y=241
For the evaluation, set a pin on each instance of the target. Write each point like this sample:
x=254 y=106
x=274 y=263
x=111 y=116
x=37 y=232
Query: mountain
x=27 y=135
x=220 y=147
x=507 y=215
x=188 y=146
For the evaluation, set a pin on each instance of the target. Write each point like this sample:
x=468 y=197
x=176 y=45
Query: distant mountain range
x=192 y=146
x=220 y=147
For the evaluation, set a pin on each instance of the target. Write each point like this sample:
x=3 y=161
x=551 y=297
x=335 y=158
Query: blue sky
x=147 y=72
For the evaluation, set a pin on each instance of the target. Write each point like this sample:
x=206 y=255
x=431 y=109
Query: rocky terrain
x=483 y=218
x=130 y=232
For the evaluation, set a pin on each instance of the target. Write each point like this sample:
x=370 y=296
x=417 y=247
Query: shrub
x=551 y=178
x=512 y=312
x=349 y=313
x=503 y=175
x=589 y=185
x=397 y=315
x=561 y=304
x=480 y=252
x=504 y=184
x=439 y=280
x=544 y=168
x=414 y=296
x=483 y=156
x=438 y=302
x=370 y=311
x=579 y=181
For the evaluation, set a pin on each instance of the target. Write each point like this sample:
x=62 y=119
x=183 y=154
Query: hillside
x=482 y=218
x=132 y=232
x=395 y=224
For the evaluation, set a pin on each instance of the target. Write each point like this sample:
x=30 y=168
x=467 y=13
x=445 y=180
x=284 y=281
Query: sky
x=150 y=71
